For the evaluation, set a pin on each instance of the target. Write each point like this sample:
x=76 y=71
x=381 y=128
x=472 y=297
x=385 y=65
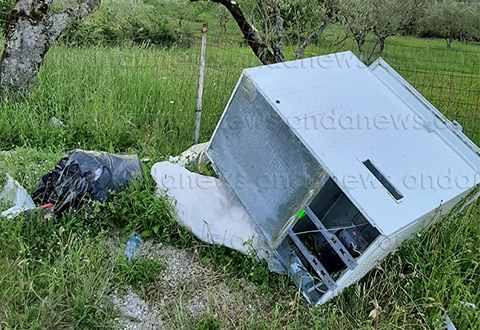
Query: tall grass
x=129 y=99
x=58 y=274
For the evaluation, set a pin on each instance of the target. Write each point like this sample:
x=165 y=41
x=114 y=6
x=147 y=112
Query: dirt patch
x=136 y=314
x=185 y=291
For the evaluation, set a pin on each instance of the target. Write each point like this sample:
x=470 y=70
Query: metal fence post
x=200 y=82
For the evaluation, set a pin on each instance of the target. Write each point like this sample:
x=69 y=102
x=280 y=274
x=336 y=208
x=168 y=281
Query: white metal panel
x=344 y=115
x=385 y=245
x=445 y=129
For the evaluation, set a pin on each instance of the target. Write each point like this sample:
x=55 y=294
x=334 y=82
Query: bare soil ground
x=185 y=292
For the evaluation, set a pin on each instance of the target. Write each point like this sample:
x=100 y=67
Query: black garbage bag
x=81 y=176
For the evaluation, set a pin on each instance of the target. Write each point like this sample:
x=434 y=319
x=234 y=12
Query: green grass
x=137 y=273
x=58 y=274
x=52 y=278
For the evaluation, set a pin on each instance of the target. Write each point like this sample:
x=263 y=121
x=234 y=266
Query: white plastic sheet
x=208 y=209
x=193 y=155
x=15 y=194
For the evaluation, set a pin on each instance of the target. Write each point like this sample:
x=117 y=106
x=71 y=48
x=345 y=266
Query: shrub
x=80 y=34
x=151 y=30
x=113 y=25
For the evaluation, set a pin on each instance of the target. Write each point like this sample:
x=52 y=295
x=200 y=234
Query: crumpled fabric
x=195 y=155
x=208 y=209
x=14 y=193
x=81 y=176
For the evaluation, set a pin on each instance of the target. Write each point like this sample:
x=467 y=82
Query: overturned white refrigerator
x=338 y=163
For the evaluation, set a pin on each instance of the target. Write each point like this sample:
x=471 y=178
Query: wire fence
x=448 y=78
x=137 y=94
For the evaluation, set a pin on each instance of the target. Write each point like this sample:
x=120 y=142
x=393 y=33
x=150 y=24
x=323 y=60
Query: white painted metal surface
x=363 y=113
x=396 y=161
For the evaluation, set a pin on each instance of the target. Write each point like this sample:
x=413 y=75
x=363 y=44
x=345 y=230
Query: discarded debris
x=195 y=155
x=207 y=208
x=57 y=122
x=81 y=176
x=44 y=211
x=448 y=324
x=131 y=246
x=14 y=194
x=468 y=304
x=301 y=148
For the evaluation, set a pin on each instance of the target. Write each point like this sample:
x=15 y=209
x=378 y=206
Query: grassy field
x=58 y=274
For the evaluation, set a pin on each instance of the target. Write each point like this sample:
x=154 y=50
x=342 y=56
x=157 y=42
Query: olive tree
x=388 y=17
x=29 y=31
x=357 y=16
x=267 y=41
x=449 y=20
x=471 y=21
x=306 y=20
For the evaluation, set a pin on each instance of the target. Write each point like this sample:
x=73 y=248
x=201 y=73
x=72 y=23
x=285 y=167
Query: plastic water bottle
x=132 y=244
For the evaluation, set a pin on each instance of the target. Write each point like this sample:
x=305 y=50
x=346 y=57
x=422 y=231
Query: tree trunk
x=250 y=34
x=277 y=44
x=382 y=46
x=310 y=39
x=449 y=41
x=361 y=52
x=29 y=31
x=372 y=52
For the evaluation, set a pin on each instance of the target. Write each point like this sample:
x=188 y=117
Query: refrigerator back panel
x=263 y=161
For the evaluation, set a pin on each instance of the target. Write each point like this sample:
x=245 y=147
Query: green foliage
x=137 y=273
x=52 y=278
x=120 y=23
x=134 y=99
x=450 y=20
x=5 y=7
x=357 y=16
x=237 y=266
x=138 y=209
x=156 y=33
x=80 y=34
x=390 y=16
x=208 y=323
x=302 y=17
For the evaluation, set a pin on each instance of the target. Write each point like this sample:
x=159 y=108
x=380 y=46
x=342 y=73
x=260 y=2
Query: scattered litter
x=207 y=208
x=184 y=291
x=81 y=176
x=468 y=304
x=57 y=122
x=195 y=155
x=448 y=324
x=45 y=211
x=132 y=245
x=14 y=193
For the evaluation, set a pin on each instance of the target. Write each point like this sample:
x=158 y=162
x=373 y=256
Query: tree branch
x=277 y=45
x=61 y=20
x=250 y=33
x=310 y=39
x=373 y=50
